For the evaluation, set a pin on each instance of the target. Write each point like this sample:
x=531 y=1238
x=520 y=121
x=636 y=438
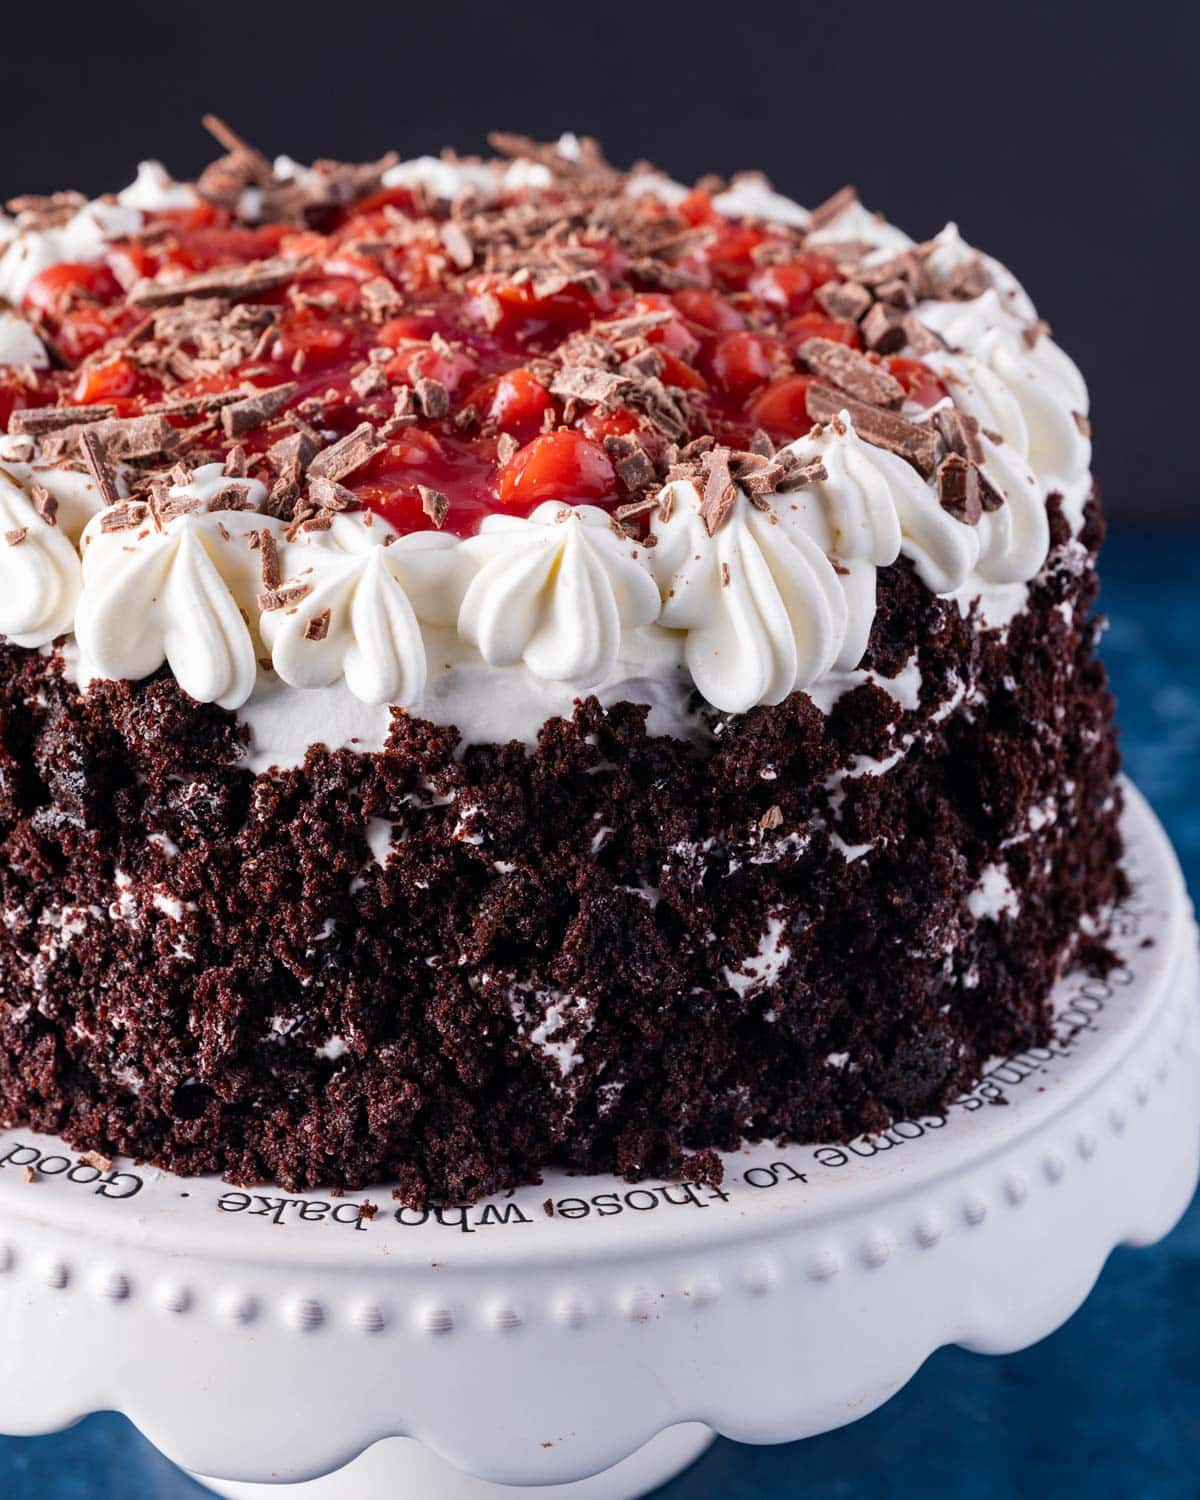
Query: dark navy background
x=1108 y=1407
x=1061 y=134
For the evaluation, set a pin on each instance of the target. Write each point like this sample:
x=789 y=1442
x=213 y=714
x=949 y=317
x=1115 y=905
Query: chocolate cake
x=509 y=662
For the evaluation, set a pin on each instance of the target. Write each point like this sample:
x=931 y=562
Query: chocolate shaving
x=96 y=461
x=896 y=293
x=458 y=245
x=235 y=283
x=297 y=449
x=843 y=299
x=958 y=489
x=252 y=411
x=833 y=207
x=989 y=496
x=186 y=407
x=1082 y=424
x=347 y=454
x=370 y=381
x=44 y=504
x=587 y=384
x=720 y=492
x=921 y=339
x=280 y=598
x=432 y=397
x=237 y=147
x=884 y=429
x=634 y=466
x=123 y=437
x=883 y=329
x=907 y=267
x=636 y=326
x=380 y=298
x=34 y=421
x=123 y=516
x=41 y=209
x=1034 y=331
x=328 y=494
x=434 y=504
x=636 y=508
x=960 y=433
x=272 y=577
x=316 y=630
x=780 y=475
x=851 y=372
x=967 y=281
x=507 y=448
x=15 y=537
x=847 y=253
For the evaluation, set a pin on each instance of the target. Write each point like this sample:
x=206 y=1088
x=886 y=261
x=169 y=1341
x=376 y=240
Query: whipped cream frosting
x=357 y=618
x=502 y=630
x=556 y=591
x=760 y=602
x=39 y=571
x=19 y=344
x=778 y=598
x=183 y=594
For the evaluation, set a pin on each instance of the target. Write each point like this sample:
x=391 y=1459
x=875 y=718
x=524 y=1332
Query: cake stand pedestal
x=590 y=1327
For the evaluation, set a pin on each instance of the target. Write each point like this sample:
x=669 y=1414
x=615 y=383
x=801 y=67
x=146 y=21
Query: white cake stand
x=261 y=1337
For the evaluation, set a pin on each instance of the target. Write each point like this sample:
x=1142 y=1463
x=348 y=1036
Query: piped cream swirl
x=184 y=594
x=555 y=591
x=40 y=575
x=760 y=601
x=358 y=616
x=1026 y=389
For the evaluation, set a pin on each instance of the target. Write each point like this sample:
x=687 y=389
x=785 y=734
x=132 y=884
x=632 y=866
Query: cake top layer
x=534 y=400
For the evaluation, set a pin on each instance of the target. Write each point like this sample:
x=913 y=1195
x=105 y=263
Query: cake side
x=611 y=952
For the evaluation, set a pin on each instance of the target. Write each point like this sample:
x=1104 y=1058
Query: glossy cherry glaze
x=729 y=346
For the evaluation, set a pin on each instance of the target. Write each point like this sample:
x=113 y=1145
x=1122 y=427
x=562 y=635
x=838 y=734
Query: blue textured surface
x=1109 y=1406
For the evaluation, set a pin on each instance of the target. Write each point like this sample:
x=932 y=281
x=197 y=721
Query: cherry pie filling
x=727 y=342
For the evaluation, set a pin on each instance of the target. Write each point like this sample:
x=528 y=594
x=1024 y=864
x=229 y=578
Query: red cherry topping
x=710 y=310
x=788 y=285
x=115 y=380
x=514 y=402
x=56 y=290
x=561 y=465
x=817 y=325
x=920 y=383
x=449 y=342
x=740 y=361
x=781 y=408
